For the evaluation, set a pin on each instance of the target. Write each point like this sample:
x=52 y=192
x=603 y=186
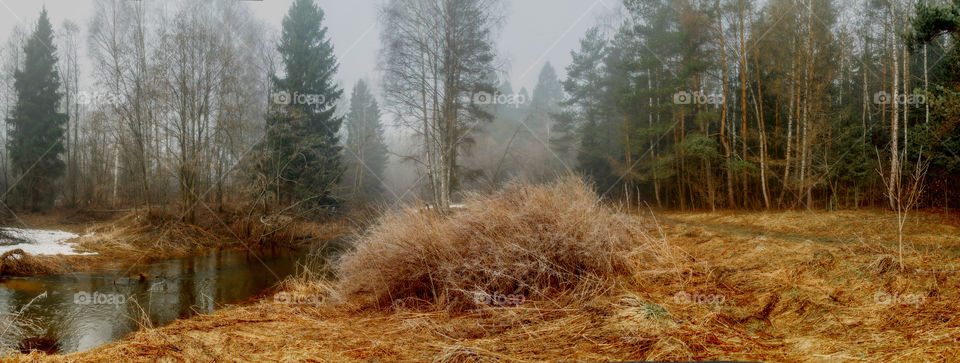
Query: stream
x=80 y=311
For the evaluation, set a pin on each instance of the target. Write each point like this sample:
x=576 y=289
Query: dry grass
x=875 y=227
x=826 y=293
x=141 y=237
x=19 y=263
x=162 y=234
x=527 y=242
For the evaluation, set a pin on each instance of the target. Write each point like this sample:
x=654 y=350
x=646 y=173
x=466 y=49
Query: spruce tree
x=35 y=127
x=546 y=96
x=367 y=153
x=302 y=127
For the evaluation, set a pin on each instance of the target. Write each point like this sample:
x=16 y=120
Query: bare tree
x=118 y=44
x=436 y=55
x=904 y=193
x=189 y=72
x=70 y=72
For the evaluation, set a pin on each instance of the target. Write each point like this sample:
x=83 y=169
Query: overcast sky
x=534 y=32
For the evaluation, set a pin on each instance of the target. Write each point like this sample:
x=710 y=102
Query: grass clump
x=162 y=233
x=16 y=262
x=525 y=243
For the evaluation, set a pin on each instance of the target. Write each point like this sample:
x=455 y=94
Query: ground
x=783 y=286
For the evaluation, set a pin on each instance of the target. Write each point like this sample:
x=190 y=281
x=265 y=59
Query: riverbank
x=125 y=239
x=783 y=286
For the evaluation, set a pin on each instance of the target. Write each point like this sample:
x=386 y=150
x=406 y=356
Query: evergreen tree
x=304 y=154
x=546 y=98
x=586 y=89
x=366 y=150
x=35 y=127
x=936 y=31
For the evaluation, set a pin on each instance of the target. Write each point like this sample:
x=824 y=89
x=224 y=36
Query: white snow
x=42 y=242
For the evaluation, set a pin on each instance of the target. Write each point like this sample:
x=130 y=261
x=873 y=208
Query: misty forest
x=736 y=180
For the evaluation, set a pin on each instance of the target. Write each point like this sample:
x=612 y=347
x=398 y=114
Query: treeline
x=195 y=104
x=686 y=104
x=778 y=104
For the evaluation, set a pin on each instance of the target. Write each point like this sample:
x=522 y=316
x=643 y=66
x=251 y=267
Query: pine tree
x=302 y=139
x=366 y=151
x=586 y=90
x=36 y=128
x=936 y=30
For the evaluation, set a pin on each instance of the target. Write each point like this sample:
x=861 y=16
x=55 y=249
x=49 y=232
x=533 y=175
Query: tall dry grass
x=162 y=233
x=532 y=243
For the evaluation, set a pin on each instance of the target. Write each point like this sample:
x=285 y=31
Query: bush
x=533 y=242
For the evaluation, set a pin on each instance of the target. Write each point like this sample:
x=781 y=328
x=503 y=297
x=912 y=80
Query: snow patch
x=42 y=242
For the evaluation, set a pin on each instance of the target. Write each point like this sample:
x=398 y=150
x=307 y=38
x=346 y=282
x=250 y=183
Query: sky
x=534 y=31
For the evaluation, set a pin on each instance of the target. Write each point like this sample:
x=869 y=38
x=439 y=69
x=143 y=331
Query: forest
x=691 y=105
x=709 y=179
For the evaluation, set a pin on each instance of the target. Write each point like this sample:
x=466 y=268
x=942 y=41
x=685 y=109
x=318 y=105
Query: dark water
x=81 y=311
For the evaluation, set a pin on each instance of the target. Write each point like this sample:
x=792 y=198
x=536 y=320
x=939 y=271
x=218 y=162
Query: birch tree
x=436 y=56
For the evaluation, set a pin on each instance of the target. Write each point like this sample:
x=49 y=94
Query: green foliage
x=35 y=127
x=858 y=163
x=304 y=156
x=655 y=311
x=699 y=147
x=740 y=166
x=939 y=138
x=932 y=20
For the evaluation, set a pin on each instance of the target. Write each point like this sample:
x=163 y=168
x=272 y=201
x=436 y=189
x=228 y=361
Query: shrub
x=535 y=242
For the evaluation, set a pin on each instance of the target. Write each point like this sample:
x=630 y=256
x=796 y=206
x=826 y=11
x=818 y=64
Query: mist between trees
x=690 y=104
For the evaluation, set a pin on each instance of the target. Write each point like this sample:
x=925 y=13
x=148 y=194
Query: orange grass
x=718 y=291
x=526 y=242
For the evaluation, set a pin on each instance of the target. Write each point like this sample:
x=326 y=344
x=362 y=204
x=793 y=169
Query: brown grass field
x=585 y=283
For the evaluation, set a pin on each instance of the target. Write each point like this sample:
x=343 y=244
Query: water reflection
x=83 y=311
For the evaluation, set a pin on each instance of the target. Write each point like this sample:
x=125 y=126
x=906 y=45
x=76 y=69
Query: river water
x=80 y=311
